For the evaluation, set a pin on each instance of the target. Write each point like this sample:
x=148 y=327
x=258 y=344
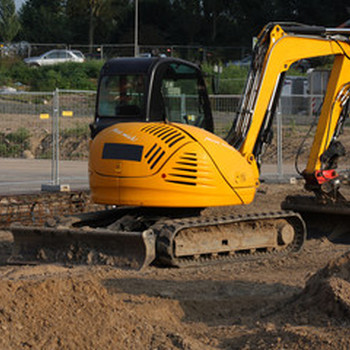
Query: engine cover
x=168 y=165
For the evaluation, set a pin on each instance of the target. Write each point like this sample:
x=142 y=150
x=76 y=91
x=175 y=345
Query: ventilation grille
x=186 y=170
x=168 y=134
x=154 y=155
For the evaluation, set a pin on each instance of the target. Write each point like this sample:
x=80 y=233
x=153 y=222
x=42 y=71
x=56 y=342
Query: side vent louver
x=185 y=171
x=167 y=135
x=154 y=155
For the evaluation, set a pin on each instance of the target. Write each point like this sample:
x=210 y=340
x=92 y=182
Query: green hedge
x=83 y=76
x=230 y=81
x=80 y=76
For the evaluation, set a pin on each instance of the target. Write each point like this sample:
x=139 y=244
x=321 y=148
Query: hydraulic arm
x=278 y=47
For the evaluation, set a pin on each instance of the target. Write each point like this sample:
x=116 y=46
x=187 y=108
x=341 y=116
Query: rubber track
x=167 y=232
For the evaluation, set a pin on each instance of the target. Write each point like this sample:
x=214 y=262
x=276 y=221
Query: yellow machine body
x=168 y=165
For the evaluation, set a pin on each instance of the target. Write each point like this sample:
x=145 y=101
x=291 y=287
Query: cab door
x=179 y=95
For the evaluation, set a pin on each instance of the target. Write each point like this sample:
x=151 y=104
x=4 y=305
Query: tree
x=213 y=10
x=44 y=21
x=155 y=18
x=325 y=13
x=186 y=21
x=9 y=24
x=91 y=18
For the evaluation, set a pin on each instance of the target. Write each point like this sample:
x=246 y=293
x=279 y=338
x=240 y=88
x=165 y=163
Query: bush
x=80 y=130
x=20 y=136
x=230 y=81
x=13 y=144
x=79 y=76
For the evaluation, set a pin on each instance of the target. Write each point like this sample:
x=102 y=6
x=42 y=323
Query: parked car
x=55 y=57
x=79 y=54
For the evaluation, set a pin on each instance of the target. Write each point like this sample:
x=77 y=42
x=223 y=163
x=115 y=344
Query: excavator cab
x=153 y=143
x=151 y=90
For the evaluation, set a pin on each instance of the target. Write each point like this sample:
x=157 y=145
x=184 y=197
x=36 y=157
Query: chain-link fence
x=44 y=136
x=106 y=51
x=40 y=135
x=25 y=134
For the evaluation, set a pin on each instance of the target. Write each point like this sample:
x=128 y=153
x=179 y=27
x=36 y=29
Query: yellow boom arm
x=278 y=47
x=276 y=52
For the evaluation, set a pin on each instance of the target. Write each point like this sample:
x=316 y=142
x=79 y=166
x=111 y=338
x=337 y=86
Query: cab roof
x=136 y=65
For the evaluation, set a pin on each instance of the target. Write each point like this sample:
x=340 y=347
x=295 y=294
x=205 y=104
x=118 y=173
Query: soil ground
x=293 y=302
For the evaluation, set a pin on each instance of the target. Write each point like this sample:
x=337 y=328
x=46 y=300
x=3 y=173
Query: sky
x=19 y=3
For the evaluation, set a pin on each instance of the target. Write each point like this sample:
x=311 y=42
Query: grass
x=13 y=144
x=80 y=130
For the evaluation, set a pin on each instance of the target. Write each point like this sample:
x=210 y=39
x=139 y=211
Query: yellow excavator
x=155 y=162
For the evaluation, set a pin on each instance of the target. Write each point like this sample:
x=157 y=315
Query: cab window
x=121 y=95
x=182 y=93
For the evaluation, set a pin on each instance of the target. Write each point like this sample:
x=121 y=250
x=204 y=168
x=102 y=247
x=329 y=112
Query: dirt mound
x=328 y=290
x=260 y=304
x=71 y=313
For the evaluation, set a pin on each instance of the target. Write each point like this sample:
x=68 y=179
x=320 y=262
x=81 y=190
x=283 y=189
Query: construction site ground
x=293 y=302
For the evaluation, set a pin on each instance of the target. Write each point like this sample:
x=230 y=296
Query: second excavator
x=156 y=162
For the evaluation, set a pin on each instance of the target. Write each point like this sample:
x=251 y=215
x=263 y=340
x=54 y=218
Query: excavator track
x=135 y=238
x=205 y=241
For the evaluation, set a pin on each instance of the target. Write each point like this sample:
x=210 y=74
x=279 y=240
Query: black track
x=167 y=232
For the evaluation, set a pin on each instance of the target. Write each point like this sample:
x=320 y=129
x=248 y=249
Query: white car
x=55 y=57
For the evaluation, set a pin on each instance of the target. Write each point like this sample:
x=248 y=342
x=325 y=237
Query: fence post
x=55 y=140
x=55 y=180
x=183 y=104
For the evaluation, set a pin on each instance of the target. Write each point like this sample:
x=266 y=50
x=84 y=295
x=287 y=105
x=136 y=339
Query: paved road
x=28 y=175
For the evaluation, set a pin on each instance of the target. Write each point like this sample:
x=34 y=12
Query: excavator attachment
x=33 y=245
x=330 y=219
x=309 y=204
